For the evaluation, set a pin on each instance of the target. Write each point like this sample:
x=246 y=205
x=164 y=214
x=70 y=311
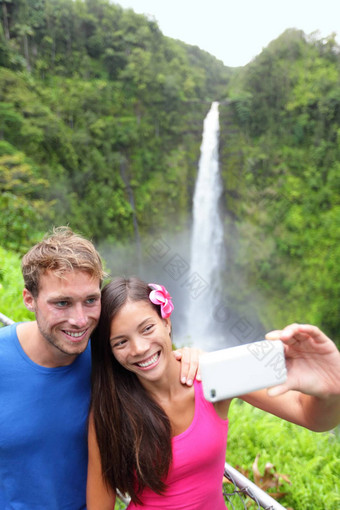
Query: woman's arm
x=98 y=495
x=311 y=394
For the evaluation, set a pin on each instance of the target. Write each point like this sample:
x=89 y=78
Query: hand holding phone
x=235 y=371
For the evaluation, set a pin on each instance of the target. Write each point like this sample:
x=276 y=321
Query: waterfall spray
x=207 y=236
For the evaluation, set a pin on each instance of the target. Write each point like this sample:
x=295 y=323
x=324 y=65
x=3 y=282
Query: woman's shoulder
x=221 y=407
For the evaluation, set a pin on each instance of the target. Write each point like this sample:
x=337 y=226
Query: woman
x=160 y=441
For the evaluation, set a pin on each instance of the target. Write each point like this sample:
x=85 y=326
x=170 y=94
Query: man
x=45 y=377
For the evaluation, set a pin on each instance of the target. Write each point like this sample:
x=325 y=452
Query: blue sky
x=236 y=31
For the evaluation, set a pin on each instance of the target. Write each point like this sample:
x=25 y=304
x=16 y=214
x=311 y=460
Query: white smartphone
x=235 y=371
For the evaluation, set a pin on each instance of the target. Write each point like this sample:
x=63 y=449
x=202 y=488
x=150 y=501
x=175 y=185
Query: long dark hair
x=133 y=431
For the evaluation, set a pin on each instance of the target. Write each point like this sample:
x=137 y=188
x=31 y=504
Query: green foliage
x=119 y=505
x=19 y=199
x=11 y=286
x=101 y=119
x=283 y=120
x=97 y=99
x=313 y=477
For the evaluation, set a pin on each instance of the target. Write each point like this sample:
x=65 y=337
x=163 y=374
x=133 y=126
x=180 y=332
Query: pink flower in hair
x=160 y=296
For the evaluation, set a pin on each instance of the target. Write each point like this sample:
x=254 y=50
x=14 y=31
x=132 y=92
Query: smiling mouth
x=75 y=334
x=150 y=361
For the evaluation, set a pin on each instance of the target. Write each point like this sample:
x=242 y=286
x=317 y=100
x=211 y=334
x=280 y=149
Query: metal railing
x=6 y=321
x=236 y=492
x=243 y=488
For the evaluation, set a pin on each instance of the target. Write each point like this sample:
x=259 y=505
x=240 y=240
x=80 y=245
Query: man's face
x=67 y=311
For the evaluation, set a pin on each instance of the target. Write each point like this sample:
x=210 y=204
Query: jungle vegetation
x=100 y=127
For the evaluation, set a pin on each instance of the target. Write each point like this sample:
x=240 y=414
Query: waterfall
x=207 y=238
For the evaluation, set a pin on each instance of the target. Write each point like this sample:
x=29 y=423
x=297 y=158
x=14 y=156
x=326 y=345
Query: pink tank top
x=194 y=481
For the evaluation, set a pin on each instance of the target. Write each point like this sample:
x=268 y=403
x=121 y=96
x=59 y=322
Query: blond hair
x=61 y=252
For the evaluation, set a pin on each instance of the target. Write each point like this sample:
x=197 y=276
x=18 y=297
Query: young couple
x=148 y=435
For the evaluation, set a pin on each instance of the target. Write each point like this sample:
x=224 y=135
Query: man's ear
x=29 y=300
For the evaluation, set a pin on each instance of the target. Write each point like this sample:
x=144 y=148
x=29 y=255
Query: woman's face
x=140 y=340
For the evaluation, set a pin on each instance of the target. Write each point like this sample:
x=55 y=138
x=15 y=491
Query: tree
x=22 y=211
